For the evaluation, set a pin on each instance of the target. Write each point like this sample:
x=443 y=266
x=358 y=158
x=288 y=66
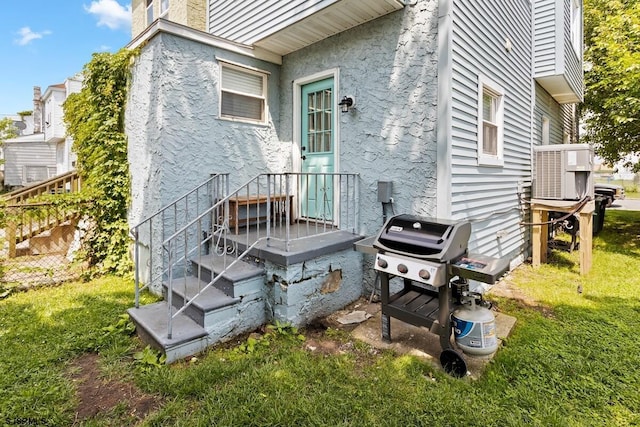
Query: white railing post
x=170 y=294
x=136 y=263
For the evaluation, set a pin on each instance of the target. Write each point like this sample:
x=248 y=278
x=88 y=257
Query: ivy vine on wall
x=95 y=120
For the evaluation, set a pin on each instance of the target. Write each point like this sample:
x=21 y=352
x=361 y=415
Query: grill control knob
x=402 y=268
x=382 y=263
x=424 y=274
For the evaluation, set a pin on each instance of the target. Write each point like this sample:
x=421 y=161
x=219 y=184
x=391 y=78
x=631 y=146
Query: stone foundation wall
x=300 y=293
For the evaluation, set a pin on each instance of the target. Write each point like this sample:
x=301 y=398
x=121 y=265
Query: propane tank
x=474 y=329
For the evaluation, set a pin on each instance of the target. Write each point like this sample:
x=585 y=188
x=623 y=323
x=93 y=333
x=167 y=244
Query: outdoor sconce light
x=346 y=104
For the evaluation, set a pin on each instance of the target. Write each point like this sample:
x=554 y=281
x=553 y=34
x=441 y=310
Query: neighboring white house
x=53 y=122
x=28 y=160
x=42 y=150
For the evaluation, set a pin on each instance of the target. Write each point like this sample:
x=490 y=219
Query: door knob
x=304 y=157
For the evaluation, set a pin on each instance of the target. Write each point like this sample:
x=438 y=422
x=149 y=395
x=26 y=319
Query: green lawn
x=573 y=359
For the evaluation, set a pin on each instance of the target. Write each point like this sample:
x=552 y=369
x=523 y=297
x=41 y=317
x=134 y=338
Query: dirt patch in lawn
x=507 y=289
x=97 y=395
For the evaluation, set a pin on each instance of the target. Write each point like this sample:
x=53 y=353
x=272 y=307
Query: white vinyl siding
x=27 y=161
x=242 y=94
x=251 y=21
x=557 y=46
x=479 y=190
x=547 y=108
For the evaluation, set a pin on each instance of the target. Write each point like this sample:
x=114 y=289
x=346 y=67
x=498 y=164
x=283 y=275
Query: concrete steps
x=214 y=314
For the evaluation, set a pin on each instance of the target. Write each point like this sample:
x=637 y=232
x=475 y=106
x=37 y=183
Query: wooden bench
x=259 y=204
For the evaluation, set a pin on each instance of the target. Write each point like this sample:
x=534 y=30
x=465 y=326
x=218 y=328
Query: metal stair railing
x=268 y=198
x=150 y=233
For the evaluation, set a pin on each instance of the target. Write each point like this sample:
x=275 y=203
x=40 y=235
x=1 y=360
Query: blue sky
x=42 y=42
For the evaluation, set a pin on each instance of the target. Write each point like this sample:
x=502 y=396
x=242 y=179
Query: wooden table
x=259 y=201
x=540 y=213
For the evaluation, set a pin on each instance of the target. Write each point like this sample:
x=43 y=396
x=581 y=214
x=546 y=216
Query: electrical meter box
x=562 y=171
x=385 y=189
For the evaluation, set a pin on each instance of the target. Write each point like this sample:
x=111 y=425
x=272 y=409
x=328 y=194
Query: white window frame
x=485 y=85
x=263 y=97
x=545 y=136
x=149 y=12
x=576 y=26
x=164 y=7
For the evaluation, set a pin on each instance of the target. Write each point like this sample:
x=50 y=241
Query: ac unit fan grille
x=548 y=182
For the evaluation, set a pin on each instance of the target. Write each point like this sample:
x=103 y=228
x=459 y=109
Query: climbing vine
x=95 y=120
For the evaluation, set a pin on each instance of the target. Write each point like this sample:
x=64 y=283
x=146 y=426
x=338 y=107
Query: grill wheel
x=453 y=363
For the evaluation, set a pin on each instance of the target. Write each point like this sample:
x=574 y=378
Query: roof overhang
x=560 y=89
x=36 y=137
x=163 y=26
x=333 y=19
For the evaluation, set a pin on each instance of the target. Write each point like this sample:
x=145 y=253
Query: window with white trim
x=546 y=130
x=149 y=12
x=490 y=123
x=576 y=26
x=164 y=7
x=243 y=94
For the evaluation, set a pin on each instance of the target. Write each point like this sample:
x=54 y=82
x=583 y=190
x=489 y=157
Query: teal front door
x=317 y=150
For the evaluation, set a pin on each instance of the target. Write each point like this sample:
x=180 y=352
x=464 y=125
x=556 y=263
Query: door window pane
x=319 y=121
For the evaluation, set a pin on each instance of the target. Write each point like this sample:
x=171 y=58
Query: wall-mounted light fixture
x=346 y=104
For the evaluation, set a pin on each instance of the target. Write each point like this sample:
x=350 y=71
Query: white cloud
x=110 y=13
x=27 y=36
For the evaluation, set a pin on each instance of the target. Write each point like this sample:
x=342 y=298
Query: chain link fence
x=39 y=246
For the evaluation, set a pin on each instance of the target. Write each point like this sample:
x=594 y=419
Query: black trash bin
x=598 y=213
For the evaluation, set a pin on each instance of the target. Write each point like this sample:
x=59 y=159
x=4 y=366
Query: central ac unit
x=562 y=171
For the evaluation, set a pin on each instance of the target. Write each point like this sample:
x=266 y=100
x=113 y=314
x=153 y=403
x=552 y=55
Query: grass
x=572 y=360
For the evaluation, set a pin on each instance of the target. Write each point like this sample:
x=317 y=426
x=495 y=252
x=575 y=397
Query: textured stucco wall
x=176 y=139
x=390 y=66
x=300 y=293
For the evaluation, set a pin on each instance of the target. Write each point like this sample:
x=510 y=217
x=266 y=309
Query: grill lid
x=425 y=238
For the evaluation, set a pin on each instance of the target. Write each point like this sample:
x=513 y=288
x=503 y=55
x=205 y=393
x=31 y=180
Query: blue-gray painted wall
x=390 y=66
x=176 y=139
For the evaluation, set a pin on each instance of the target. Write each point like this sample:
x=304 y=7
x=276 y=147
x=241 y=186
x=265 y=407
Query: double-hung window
x=576 y=27
x=490 y=123
x=164 y=7
x=149 y=12
x=243 y=93
x=546 y=130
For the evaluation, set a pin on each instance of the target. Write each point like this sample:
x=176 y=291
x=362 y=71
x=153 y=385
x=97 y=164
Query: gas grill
x=427 y=253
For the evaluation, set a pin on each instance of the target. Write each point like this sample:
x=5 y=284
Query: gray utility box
x=562 y=171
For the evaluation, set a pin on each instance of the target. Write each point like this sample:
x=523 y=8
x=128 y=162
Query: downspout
x=521 y=189
x=444 y=109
